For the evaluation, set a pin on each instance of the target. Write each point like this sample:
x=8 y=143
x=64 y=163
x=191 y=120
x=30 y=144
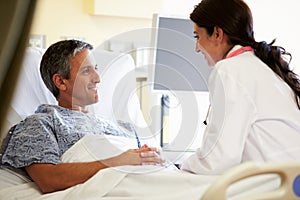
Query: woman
x=254 y=96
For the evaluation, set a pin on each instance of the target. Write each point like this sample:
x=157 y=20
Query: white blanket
x=126 y=182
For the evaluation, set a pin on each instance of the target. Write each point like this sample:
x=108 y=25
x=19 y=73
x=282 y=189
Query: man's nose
x=96 y=76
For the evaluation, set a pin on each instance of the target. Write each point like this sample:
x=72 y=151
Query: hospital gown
x=51 y=131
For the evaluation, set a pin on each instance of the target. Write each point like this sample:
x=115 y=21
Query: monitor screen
x=181 y=75
x=176 y=64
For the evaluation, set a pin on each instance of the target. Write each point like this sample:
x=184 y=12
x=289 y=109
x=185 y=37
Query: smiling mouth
x=95 y=89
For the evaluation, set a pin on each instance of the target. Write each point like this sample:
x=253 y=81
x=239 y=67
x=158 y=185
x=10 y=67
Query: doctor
x=254 y=96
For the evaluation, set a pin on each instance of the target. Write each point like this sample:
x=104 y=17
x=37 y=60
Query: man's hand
x=142 y=156
x=51 y=178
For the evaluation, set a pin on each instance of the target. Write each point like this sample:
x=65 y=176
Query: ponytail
x=274 y=56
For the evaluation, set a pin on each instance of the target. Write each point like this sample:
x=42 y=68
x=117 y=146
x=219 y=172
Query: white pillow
x=10 y=178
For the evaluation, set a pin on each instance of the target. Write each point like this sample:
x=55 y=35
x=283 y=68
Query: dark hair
x=235 y=18
x=56 y=60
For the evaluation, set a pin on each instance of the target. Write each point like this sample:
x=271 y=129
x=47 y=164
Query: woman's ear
x=59 y=82
x=218 y=33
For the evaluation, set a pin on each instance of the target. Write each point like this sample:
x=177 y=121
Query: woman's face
x=205 y=44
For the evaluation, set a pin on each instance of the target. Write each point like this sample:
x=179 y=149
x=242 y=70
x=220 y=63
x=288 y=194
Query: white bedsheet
x=114 y=184
x=129 y=182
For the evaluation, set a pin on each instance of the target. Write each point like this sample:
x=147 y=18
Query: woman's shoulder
x=243 y=66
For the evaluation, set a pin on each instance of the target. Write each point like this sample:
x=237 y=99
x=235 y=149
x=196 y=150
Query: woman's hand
x=142 y=156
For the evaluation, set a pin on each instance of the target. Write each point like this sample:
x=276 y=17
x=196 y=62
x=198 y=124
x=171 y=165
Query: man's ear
x=59 y=82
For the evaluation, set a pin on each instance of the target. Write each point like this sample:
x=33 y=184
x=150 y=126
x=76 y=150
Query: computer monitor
x=182 y=74
x=177 y=67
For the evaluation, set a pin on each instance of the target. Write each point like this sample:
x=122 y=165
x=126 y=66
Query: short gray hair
x=56 y=61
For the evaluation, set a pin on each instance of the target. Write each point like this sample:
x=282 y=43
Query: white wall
x=278 y=19
x=57 y=18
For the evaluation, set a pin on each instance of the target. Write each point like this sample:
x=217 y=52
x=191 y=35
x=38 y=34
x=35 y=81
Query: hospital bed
x=275 y=180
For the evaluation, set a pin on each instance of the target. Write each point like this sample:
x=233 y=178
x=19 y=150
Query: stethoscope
x=234 y=53
x=206 y=117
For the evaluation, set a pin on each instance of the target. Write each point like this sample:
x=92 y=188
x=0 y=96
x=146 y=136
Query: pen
x=130 y=127
x=137 y=138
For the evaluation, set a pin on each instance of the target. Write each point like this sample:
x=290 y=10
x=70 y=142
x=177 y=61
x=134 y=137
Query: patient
x=37 y=143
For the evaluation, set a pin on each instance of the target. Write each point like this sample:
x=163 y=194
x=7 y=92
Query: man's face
x=82 y=84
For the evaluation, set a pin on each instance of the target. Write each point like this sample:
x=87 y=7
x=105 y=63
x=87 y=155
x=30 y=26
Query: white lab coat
x=253 y=116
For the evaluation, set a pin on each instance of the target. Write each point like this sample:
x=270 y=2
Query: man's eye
x=86 y=70
x=96 y=67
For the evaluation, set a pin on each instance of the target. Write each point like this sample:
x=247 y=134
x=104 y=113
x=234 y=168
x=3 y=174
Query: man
x=37 y=143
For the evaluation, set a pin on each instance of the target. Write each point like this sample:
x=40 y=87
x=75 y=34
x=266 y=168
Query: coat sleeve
x=229 y=122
